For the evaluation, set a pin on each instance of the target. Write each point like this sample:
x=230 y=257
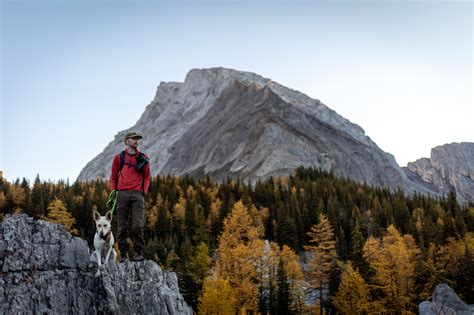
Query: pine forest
x=310 y=243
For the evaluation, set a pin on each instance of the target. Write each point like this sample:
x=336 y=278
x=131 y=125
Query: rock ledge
x=46 y=270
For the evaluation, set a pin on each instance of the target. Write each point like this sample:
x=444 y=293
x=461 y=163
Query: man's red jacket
x=130 y=178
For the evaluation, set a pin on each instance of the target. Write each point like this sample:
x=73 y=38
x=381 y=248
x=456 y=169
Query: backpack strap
x=122 y=161
x=140 y=157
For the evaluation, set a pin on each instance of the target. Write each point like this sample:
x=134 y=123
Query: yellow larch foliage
x=292 y=263
x=324 y=253
x=352 y=296
x=212 y=192
x=240 y=248
x=292 y=268
x=3 y=199
x=214 y=213
x=58 y=213
x=393 y=260
x=180 y=210
x=17 y=195
x=417 y=217
x=191 y=193
x=439 y=257
x=217 y=297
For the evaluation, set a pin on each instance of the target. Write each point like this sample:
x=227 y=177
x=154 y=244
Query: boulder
x=445 y=301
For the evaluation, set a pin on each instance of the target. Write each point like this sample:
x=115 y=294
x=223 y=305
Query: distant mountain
x=450 y=168
x=222 y=122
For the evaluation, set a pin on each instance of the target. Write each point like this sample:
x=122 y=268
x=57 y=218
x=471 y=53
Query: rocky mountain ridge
x=450 y=168
x=227 y=123
x=45 y=270
x=445 y=301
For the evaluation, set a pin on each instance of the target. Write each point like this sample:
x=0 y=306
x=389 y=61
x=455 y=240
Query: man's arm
x=115 y=169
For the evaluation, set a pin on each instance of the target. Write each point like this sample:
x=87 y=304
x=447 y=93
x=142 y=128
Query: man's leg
x=138 y=218
x=122 y=222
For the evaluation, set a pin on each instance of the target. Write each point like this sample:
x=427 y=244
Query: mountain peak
x=221 y=74
x=224 y=122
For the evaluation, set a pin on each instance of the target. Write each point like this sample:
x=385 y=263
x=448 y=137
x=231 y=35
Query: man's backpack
x=142 y=160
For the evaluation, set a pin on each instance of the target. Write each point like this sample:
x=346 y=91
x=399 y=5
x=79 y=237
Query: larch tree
x=179 y=214
x=240 y=248
x=295 y=277
x=58 y=213
x=452 y=264
x=352 y=296
x=3 y=199
x=394 y=260
x=323 y=249
x=16 y=197
x=217 y=297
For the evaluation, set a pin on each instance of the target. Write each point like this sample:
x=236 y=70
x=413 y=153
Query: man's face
x=132 y=142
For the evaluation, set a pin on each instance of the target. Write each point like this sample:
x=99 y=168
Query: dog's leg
x=106 y=261
x=98 y=263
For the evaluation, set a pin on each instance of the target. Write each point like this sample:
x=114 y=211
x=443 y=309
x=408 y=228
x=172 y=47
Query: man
x=131 y=178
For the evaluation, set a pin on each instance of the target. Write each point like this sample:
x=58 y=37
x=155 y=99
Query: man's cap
x=132 y=135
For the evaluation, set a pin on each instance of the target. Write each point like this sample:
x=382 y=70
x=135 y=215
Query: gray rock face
x=450 y=168
x=46 y=270
x=222 y=122
x=445 y=301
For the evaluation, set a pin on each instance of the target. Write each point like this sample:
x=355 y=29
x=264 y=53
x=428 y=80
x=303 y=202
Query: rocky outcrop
x=222 y=122
x=450 y=168
x=46 y=270
x=445 y=301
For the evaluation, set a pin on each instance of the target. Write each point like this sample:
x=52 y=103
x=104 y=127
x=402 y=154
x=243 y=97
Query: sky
x=75 y=73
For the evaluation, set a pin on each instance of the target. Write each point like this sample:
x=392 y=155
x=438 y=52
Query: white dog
x=103 y=240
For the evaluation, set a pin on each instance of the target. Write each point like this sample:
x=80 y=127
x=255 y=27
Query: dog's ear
x=108 y=216
x=96 y=215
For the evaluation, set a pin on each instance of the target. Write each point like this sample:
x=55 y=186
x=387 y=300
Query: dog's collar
x=106 y=237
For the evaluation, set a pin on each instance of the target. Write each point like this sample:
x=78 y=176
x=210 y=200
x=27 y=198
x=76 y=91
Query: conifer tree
x=213 y=219
x=3 y=201
x=179 y=216
x=162 y=224
x=357 y=244
x=152 y=218
x=37 y=198
x=352 y=296
x=194 y=273
x=323 y=249
x=464 y=284
x=295 y=277
x=267 y=265
x=16 y=198
x=58 y=213
x=240 y=247
x=217 y=297
x=283 y=290
x=393 y=259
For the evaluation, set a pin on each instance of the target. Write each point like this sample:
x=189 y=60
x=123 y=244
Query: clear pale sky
x=74 y=73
